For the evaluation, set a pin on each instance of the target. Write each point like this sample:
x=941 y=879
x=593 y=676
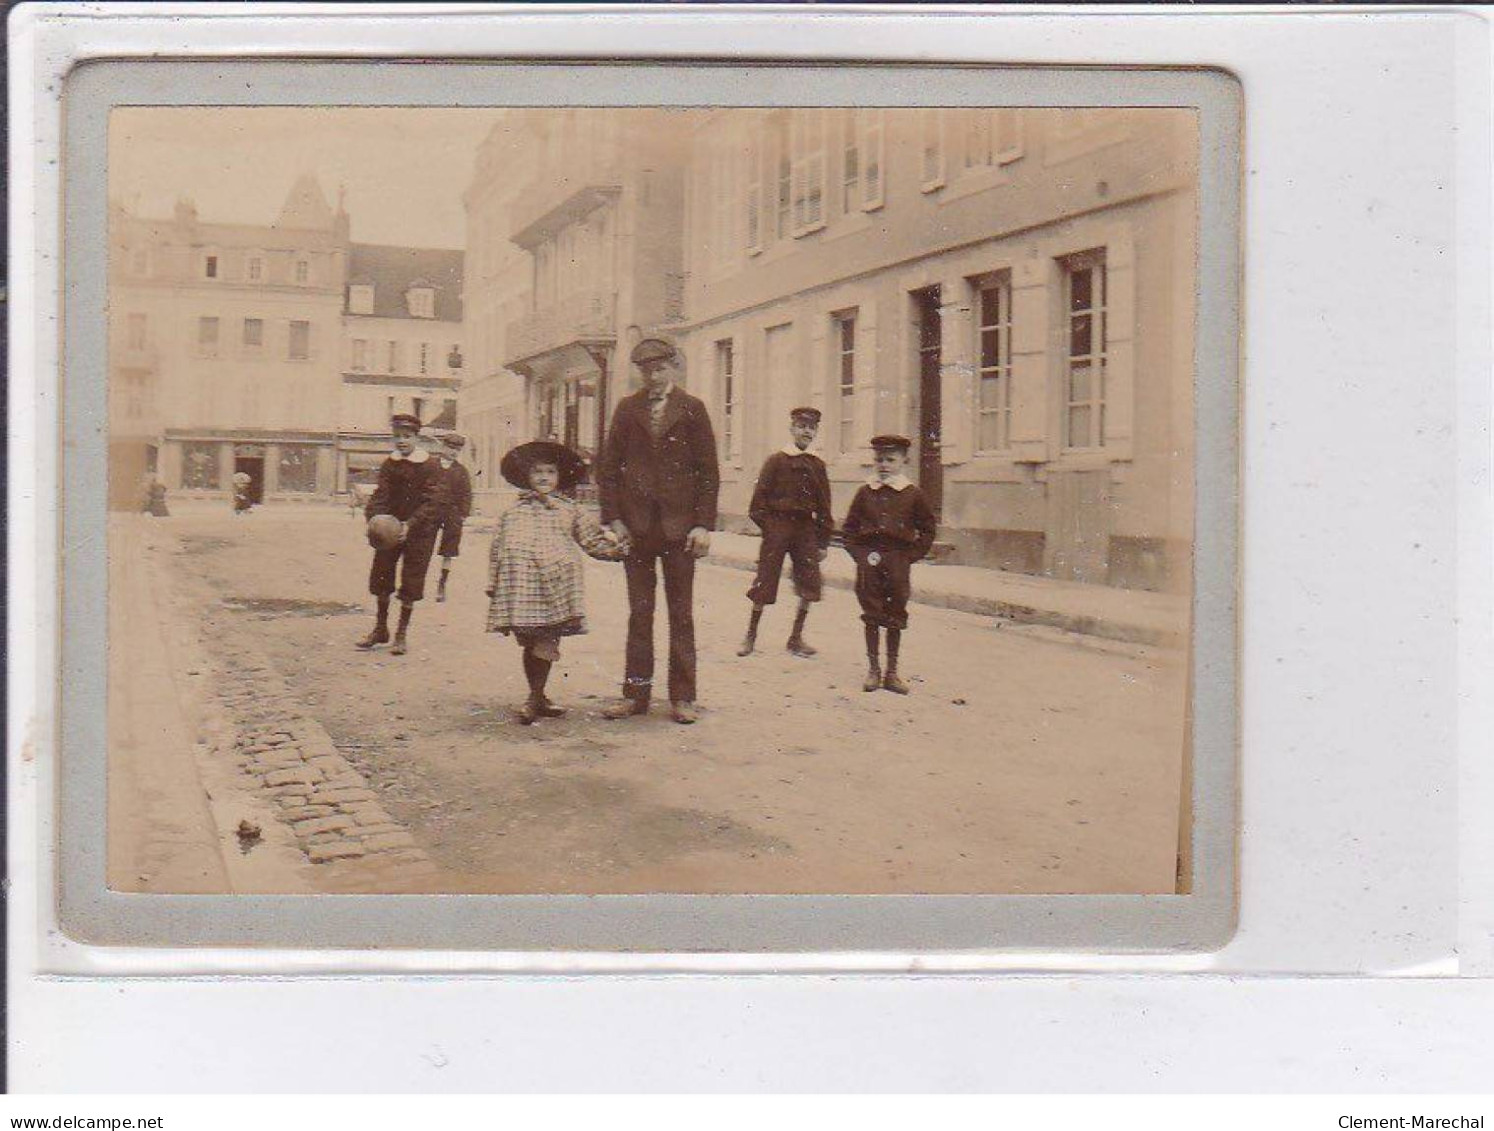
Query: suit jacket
x=457 y=486
x=671 y=484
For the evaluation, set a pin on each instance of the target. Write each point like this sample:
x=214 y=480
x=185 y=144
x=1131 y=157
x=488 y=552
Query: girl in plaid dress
x=535 y=582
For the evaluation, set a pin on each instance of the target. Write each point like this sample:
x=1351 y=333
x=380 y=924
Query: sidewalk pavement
x=1129 y=615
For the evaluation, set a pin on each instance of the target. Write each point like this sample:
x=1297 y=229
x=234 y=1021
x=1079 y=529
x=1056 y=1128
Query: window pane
x=254 y=332
x=200 y=466
x=990 y=349
x=1079 y=383
x=847 y=334
x=990 y=306
x=1080 y=289
x=1081 y=339
x=1079 y=427
x=990 y=392
x=298 y=468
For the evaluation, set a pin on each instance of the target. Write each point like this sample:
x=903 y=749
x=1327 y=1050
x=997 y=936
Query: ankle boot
x=401 y=645
x=873 y=679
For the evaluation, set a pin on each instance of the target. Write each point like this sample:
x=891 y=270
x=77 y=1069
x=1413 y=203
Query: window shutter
x=796 y=170
x=754 y=194
x=956 y=369
x=1120 y=347
x=864 y=409
x=1009 y=136
x=1034 y=368
x=819 y=371
x=872 y=157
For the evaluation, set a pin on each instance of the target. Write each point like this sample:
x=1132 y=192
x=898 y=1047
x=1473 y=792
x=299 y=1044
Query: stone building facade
x=1011 y=288
x=592 y=201
x=230 y=345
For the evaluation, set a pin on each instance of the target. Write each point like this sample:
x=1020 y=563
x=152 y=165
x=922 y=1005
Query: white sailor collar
x=419 y=455
x=898 y=482
x=792 y=449
x=445 y=461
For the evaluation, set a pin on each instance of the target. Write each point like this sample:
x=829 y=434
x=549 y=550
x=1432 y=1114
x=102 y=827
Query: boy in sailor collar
x=791 y=506
x=456 y=486
x=409 y=490
x=889 y=527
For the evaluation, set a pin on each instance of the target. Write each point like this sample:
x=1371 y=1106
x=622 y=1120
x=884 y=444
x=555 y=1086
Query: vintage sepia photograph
x=651 y=500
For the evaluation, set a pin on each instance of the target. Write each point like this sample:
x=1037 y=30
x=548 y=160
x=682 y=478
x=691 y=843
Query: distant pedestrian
x=409 y=494
x=889 y=527
x=154 y=501
x=659 y=479
x=791 y=506
x=536 y=587
x=456 y=506
x=242 y=498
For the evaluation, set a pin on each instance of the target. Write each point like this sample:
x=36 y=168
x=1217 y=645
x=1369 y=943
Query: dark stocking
x=894 y=641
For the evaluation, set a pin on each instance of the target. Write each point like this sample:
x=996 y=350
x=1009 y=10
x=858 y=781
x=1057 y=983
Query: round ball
x=383 y=531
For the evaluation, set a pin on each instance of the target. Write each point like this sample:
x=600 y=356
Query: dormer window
x=422 y=302
x=360 y=298
x=303 y=271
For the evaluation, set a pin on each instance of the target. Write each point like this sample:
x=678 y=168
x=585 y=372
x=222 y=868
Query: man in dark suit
x=658 y=479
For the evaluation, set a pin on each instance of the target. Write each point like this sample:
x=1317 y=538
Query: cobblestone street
x=1025 y=760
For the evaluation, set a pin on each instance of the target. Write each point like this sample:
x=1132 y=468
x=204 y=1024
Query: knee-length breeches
x=883 y=587
x=451 y=538
x=410 y=560
x=799 y=541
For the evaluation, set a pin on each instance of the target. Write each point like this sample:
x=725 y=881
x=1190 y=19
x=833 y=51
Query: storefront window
x=200 y=467
x=298 y=468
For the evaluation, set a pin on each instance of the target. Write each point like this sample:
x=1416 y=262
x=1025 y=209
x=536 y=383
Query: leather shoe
x=377 y=636
x=892 y=683
x=873 y=680
x=683 y=712
x=625 y=709
x=800 y=647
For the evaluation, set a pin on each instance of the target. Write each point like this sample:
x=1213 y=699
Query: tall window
x=392 y=358
x=726 y=383
x=1084 y=384
x=210 y=267
x=722 y=207
x=254 y=333
x=255 y=269
x=425 y=356
x=808 y=169
x=872 y=133
x=994 y=395
x=850 y=162
x=360 y=354
x=754 y=198
x=135 y=332
x=845 y=362
x=360 y=299
x=300 y=341
x=980 y=138
x=207 y=337
x=422 y=302
x=931 y=168
x=303 y=271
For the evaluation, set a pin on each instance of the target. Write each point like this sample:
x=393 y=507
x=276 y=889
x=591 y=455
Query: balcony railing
x=586 y=317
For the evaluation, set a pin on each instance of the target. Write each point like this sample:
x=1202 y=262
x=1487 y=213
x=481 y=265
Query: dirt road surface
x=1024 y=761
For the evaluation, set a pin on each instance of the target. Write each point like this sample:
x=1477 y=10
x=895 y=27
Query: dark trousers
x=796 y=538
x=411 y=559
x=883 y=586
x=642 y=572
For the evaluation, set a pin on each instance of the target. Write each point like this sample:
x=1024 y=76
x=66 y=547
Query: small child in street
x=409 y=493
x=791 y=506
x=889 y=527
x=535 y=583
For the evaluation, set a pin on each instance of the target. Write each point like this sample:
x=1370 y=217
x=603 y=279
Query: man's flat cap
x=651 y=351
x=891 y=443
x=405 y=420
x=805 y=412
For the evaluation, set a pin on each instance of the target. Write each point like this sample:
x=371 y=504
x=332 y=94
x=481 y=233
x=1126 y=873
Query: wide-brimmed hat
x=516 y=464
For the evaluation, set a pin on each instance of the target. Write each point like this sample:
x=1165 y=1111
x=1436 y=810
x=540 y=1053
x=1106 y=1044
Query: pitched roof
x=305 y=205
x=392 y=271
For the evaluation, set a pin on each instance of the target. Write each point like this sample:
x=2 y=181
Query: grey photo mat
x=768 y=924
